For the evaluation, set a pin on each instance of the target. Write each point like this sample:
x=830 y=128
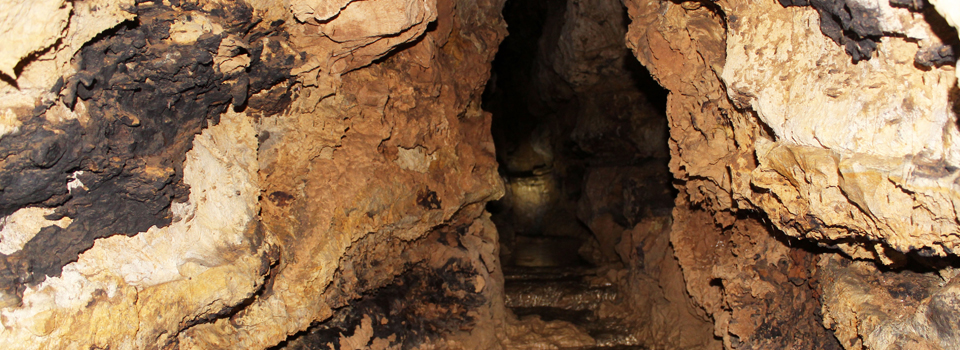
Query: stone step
x=564 y=293
x=611 y=339
x=574 y=294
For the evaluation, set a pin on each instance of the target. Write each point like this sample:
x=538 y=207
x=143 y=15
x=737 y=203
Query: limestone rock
x=198 y=177
x=874 y=310
x=893 y=128
x=110 y=167
x=204 y=263
x=226 y=174
x=331 y=172
x=43 y=38
x=447 y=281
x=30 y=26
x=777 y=134
x=655 y=287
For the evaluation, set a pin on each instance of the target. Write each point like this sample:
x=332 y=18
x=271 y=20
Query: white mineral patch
x=369 y=19
x=318 y=10
x=9 y=123
x=189 y=27
x=74 y=183
x=416 y=159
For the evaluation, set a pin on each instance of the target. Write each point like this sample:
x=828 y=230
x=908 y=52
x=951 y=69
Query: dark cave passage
x=393 y=175
x=581 y=137
x=580 y=131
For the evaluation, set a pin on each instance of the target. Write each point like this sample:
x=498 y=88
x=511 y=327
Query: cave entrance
x=581 y=138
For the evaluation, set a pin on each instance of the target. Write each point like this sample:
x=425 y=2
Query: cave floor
x=556 y=290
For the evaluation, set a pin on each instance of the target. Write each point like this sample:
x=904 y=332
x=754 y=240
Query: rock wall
x=282 y=173
x=212 y=174
x=581 y=138
x=807 y=171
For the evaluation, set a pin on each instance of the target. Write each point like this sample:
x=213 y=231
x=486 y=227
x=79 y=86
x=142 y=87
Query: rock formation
x=583 y=150
x=222 y=174
x=795 y=156
x=205 y=174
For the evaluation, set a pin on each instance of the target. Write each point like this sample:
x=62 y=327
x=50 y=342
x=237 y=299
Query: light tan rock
x=415 y=159
x=321 y=10
x=24 y=224
x=29 y=27
x=43 y=38
x=136 y=292
x=231 y=57
x=367 y=19
x=886 y=125
x=186 y=31
x=874 y=310
x=769 y=116
x=332 y=173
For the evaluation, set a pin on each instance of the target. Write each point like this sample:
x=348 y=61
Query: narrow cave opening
x=581 y=138
x=315 y=175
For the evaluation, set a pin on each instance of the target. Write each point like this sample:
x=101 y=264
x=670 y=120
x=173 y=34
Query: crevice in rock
x=581 y=136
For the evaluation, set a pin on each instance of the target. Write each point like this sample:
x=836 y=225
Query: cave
x=488 y=174
x=581 y=137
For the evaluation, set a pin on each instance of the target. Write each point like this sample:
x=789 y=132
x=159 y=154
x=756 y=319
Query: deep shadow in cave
x=581 y=137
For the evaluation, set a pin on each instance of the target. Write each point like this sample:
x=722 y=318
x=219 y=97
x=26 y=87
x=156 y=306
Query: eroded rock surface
x=204 y=174
x=778 y=135
x=251 y=174
x=581 y=138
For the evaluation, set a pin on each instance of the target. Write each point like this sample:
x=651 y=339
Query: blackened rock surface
x=146 y=98
x=422 y=303
x=939 y=54
x=786 y=3
x=848 y=23
x=936 y=56
x=913 y=5
x=413 y=297
x=942 y=312
x=857 y=28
